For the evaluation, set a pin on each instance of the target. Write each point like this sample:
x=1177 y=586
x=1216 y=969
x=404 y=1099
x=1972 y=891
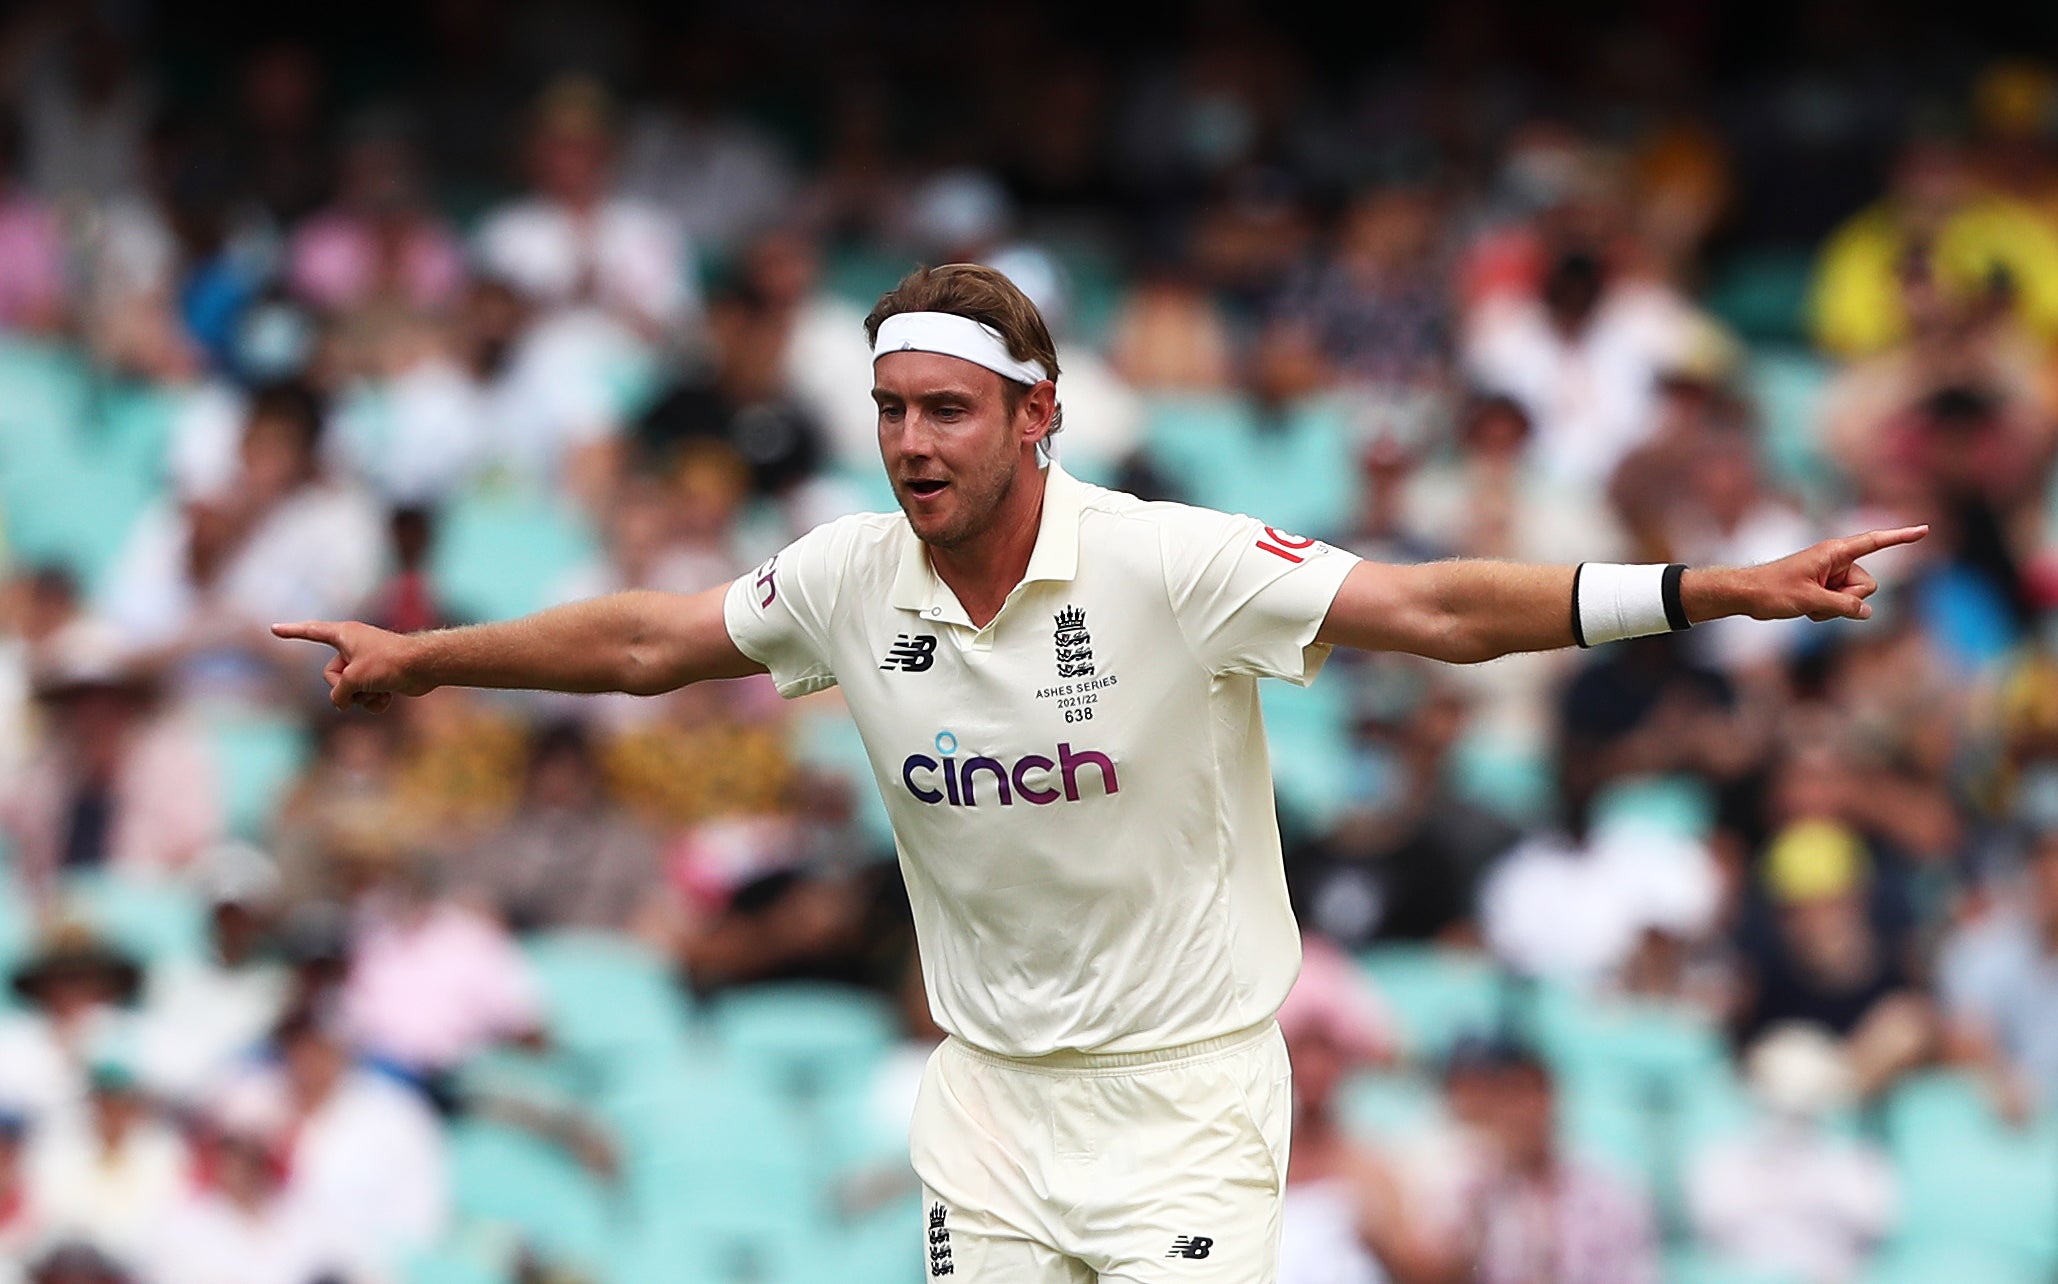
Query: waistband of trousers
x=1066 y=1061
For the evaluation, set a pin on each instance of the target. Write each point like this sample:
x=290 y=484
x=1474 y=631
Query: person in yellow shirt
x=1979 y=249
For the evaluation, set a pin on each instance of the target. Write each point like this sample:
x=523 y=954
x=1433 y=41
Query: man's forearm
x=605 y=644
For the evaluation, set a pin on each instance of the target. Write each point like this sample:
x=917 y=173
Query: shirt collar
x=1055 y=557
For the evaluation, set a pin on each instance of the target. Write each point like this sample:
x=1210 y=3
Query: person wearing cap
x=1057 y=686
x=199 y=1015
x=115 y=786
x=77 y=990
x=1827 y=964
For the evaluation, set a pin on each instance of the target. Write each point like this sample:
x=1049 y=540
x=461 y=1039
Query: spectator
x=20 y=1226
x=31 y=248
x=379 y=243
x=200 y=1016
x=431 y=981
x=1346 y=1218
x=76 y=988
x=1406 y=863
x=1934 y=221
x=285 y=543
x=1544 y=1214
x=117 y=786
x=366 y=1156
x=1582 y=355
x=1997 y=978
x=1790 y=1195
x=70 y=1262
x=1377 y=302
x=110 y=1176
x=1827 y=965
x=572 y=242
x=568 y=857
x=1575 y=903
x=243 y=1224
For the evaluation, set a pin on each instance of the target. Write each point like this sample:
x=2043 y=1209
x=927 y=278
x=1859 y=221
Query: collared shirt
x=1079 y=790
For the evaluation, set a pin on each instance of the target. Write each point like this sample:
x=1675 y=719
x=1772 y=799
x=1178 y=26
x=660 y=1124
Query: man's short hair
x=987 y=296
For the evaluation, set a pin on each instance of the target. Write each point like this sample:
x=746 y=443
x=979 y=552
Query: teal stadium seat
x=1690 y=1266
x=1438 y=995
x=501 y=551
x=1942 y=1264
x=257 y=755
x=1787 y=386
x=818 y=1047
x=149 y=921
x=506 y=1176
x=1972 y=1185
x=720 y=1182
x=607 y=997
x=80 y=457
x=1299 y=476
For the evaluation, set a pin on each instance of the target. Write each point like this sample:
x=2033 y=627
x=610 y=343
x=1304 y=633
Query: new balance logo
x=1194 y=1246
x=912 y=654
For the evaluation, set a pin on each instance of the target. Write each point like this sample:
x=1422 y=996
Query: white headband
x=951 y=335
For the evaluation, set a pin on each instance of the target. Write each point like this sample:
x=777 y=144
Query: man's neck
x=984 y=570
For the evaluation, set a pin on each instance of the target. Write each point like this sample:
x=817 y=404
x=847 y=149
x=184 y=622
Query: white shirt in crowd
x=1791 y=1197
x=1575 y=913
x=198 y=1019
x=1591 y=397
x=1080 y=790
x=369 y=1163
x=209 y=1239
x=316 y=555
x=625 y=256
x=113 y=1199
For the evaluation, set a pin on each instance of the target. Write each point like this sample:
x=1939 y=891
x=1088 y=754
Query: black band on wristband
x=1578 y=633
x=1668 y=590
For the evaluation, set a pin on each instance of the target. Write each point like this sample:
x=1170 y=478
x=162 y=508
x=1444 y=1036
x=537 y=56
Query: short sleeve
x=1249 y=598
x=778 y=613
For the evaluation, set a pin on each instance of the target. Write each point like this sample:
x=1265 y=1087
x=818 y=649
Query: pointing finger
x=1860 y=583
x=1856 y=546
x=310 y=631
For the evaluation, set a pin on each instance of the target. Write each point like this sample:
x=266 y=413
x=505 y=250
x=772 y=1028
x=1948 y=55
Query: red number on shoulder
x=1280 y=542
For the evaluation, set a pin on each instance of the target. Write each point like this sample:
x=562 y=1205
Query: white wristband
x=1611 y=601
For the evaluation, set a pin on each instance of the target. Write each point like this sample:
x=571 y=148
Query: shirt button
x=935 y=612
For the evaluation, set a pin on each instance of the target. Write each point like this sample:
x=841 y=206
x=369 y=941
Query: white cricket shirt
x=1079 y=791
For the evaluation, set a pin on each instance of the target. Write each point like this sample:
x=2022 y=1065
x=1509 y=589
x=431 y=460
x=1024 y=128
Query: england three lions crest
x=1074 y=644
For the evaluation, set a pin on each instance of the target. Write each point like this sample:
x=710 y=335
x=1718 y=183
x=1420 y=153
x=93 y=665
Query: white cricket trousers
x=1147 y=1168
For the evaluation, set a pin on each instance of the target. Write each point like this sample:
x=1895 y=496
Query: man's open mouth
x=926 y=487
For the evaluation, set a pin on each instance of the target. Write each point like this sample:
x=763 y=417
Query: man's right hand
x=370 y=666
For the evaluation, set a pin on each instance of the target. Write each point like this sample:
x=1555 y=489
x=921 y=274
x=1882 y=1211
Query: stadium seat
x=503 y=1175
x=1971 y=1183
x=802 y=1038
x=1384 y=1105
x=1299 y=476
x=149 y=921
x=1690 y=1266
x=500 y=551
x=1787 y=385
x=257 y=756
x=883 y=1246
x=1438 y=995
x=468 y=1257
x=1946 y=1264
x=607 y=997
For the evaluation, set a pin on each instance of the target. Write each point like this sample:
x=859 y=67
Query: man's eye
x=949 y=414
x=889 y=412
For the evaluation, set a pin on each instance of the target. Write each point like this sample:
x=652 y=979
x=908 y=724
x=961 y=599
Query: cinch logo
x=945 y=779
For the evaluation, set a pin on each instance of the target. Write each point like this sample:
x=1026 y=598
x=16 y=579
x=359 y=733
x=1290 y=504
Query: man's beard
x=977 y=508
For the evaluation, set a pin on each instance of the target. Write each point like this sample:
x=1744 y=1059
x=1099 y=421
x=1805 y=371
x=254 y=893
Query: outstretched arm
x=640 y=642
x=1469 y=611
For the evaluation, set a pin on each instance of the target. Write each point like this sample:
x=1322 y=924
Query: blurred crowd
x=567 y=300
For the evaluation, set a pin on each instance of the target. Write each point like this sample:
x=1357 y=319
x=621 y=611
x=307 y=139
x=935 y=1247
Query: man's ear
x=1039 y=406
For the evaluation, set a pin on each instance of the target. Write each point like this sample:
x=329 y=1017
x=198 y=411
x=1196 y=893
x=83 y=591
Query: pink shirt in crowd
x=429 y=988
